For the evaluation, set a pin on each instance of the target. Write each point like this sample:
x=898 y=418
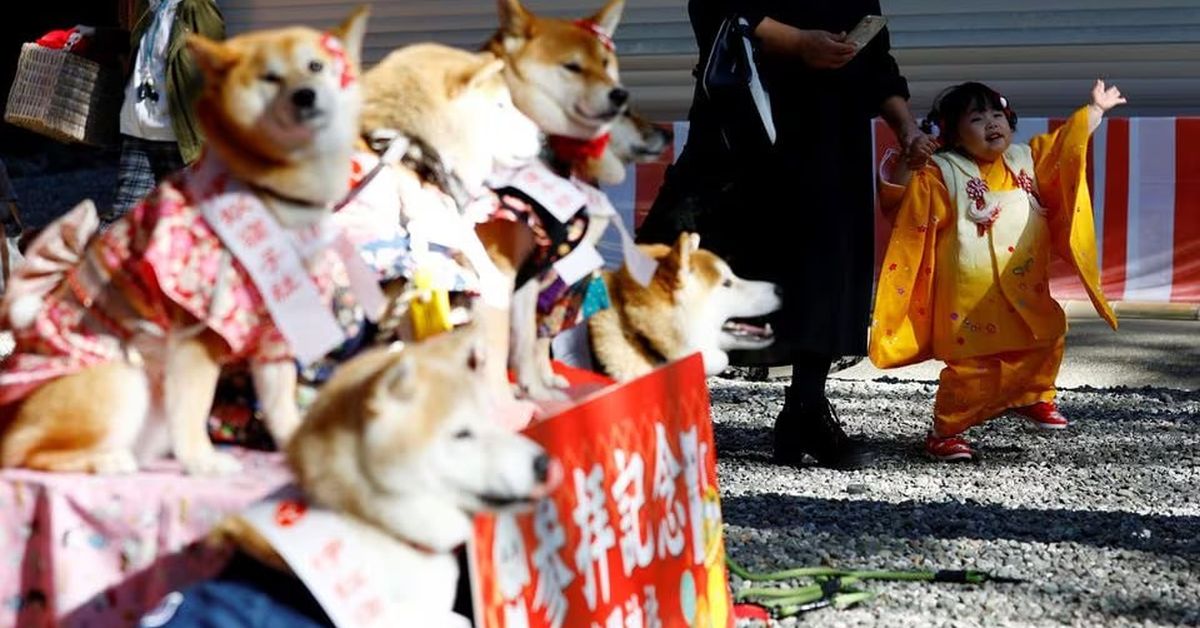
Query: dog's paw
x=555 y=381
x=114 y=463
x=212 y=463
x=538 y=390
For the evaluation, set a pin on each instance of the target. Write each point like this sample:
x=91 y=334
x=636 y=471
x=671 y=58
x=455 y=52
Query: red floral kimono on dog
x=101 y=290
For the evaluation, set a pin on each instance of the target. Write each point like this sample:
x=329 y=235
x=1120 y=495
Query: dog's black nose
x=304 y=98
x=541 y=468
x=618 y=96
x=778 y=290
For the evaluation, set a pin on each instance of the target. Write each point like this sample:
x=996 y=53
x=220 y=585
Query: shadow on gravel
x=997 y=449
x=738 y=442
x=1149 y=609
x=1161 y=534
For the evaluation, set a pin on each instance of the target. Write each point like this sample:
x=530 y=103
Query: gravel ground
x=1103 y=520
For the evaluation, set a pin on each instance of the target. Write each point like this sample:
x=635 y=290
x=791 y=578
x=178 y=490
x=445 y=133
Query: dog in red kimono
x=121 y=334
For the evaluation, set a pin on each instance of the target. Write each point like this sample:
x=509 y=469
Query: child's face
x=984 y=134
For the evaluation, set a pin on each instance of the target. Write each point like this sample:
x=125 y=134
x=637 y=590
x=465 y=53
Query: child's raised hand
x=1105 y=98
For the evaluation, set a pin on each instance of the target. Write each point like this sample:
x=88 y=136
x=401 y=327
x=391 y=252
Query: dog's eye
x=315 y=66
x=728 y=283
x=272 y=77
x=573 y=67
x=463 y=435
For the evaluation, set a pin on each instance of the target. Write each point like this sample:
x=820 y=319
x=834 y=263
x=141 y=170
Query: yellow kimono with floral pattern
x=966 y=275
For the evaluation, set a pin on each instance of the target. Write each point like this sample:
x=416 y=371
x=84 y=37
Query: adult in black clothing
x=801 y=213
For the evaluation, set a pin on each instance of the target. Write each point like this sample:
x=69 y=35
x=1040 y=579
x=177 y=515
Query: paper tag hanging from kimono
x=640 y=266
x=557 y=195
x=579 y=263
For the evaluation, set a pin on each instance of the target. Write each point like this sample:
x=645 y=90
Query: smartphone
x=866 y=30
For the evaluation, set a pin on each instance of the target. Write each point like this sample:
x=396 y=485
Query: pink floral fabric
x=162 y=254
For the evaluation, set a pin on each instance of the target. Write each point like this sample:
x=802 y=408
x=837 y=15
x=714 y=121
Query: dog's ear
x=608 y=17
x=471 y=346
x=214 y=57
x=397 y=381
x=685 y=245
x=352 y=32
x=488 y=68
x=514 y=21
x=677 y=264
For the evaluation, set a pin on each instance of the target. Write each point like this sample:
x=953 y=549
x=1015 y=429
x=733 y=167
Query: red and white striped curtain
x=1144 y=176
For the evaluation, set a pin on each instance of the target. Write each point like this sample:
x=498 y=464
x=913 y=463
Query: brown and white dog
x=564 y=75
x=691 y=305
x=398 y=451
x=280 y=113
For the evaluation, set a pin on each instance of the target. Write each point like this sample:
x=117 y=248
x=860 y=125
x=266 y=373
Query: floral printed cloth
x=85 y=550
x=162 y=254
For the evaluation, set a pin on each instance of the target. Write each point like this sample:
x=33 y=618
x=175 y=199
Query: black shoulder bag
x=733 y=84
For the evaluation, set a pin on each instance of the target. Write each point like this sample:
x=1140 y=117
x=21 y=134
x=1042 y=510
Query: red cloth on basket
x=71 y=39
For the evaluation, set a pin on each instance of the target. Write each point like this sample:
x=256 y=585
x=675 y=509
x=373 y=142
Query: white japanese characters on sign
x=630 y=493
x=596 y=533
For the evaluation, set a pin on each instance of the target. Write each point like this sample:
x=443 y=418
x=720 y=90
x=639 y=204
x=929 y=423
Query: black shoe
x=813 y=429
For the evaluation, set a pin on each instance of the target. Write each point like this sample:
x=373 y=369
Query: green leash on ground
x=835 y=587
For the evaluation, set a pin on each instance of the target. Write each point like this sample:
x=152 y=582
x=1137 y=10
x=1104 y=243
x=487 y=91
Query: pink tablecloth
x=80 y=550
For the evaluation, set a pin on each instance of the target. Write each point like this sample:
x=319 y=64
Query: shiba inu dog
x=118 y=356
x=564 y=75
x=691 y=305
x=398 y=451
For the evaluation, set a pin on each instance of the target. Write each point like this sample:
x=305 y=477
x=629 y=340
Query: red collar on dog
x=599 y=33
x=574 y=150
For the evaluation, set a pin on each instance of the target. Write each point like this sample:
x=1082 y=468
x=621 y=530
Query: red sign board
x=633 y=535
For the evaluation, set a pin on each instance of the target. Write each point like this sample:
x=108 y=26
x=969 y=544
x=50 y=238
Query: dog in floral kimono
x=121 y=334
x=563 y=74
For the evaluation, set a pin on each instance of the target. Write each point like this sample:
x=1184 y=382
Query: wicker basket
x=65 y=96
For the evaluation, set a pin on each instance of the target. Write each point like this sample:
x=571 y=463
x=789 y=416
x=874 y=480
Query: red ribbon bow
x=598 y=32
x=341 y=64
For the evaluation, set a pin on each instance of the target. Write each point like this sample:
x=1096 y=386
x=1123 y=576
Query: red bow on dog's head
x=598 y=33
x=342 y=66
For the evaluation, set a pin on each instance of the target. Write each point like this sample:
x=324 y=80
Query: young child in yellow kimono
x=966 y=275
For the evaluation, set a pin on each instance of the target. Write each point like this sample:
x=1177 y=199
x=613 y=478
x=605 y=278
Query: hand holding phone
x=866 y=30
